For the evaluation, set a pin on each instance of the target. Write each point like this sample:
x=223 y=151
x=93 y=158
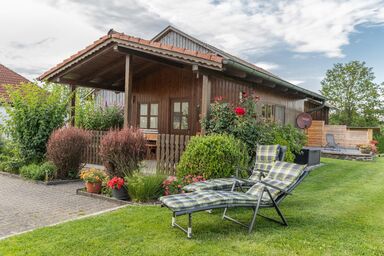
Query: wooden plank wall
x=91 y=154
x=348 y=138
x=169 y=149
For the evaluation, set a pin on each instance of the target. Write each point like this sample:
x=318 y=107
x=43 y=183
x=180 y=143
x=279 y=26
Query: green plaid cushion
x=213 y=184
x=267 y=153
x=282 y=175
x=260 y=166
x=206 y=198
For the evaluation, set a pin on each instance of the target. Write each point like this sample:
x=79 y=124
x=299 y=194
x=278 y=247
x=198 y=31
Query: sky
x=297 y=40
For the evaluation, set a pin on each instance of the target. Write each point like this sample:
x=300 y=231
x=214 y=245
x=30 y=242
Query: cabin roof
x=139 y=43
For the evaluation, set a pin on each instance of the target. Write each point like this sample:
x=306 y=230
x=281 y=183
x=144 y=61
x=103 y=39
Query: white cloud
x=267 y=65
x=38 y=34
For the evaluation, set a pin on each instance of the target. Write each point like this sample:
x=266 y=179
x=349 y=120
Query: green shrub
x=213 y=156
x=10 y=158
x=92 y=117
x=145 y=188
x=33 y=114
x=45 y=171
x=379 y=137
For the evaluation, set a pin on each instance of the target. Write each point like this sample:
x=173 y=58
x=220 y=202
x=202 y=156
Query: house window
x=148 y=115
x=180 y=115
x=267 y=112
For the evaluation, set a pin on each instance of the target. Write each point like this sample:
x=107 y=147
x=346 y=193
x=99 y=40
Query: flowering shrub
x=92 y=175
x=65 y=149
x=173 y=185
x=243 y=123
x=122 y=151
x=116 y=183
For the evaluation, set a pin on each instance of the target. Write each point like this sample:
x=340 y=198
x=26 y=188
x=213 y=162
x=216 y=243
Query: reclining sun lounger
x=266 y=156
x=266 y=193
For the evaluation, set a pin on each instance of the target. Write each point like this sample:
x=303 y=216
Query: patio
x=343 y=153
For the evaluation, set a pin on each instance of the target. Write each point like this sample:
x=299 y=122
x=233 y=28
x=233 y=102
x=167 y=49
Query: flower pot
x=121 y=194
x=93 y=187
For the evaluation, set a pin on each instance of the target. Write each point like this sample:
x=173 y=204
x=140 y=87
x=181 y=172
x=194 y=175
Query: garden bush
x=66 y=148
x=122 y=151
x=44 y=172
x=10 y=158
x=34 y=112
x=213 y=156
x=244 y=124
x=145 y=188
x=173 y=185
x=92 y=117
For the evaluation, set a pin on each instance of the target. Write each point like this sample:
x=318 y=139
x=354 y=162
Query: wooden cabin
x=166 y=84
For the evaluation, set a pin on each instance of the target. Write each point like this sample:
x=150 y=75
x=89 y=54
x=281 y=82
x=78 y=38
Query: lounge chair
x=267 y=193
x=331 y=143
x=266 y=155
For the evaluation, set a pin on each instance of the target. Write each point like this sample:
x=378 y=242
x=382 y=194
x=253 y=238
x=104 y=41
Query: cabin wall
x=322 y=114
x=230 y=89
x=162 y=86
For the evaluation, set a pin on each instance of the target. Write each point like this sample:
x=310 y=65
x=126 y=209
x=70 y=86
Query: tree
x=351 y=89
x=34 y=112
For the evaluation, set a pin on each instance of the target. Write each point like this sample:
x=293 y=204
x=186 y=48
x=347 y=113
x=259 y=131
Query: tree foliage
x=34 y=112
x=351 y=89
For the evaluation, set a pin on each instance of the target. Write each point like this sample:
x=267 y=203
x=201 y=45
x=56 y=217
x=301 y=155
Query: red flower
x=116 y=183
x=240 y=111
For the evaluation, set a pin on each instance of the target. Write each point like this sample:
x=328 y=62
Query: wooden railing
x=168 y=151
x=91 y=154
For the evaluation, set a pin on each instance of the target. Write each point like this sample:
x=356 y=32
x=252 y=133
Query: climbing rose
x=239 y=111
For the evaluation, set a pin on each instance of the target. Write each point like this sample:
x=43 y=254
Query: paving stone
x=25 y=205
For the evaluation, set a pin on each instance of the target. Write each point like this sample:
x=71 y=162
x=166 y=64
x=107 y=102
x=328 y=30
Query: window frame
x=149 y=115
x=180 y=100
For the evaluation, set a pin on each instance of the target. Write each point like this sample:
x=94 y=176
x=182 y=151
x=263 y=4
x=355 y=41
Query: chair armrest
x=277 y=188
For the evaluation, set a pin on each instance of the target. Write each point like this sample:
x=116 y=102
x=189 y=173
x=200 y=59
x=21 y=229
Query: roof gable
x=8 y=76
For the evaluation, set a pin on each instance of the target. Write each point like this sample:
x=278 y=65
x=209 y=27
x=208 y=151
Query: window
x=267 y=112
x=273 y=113
x=148 y=115
x=180 y=114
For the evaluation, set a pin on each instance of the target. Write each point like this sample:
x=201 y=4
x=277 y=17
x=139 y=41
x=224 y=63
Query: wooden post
x=128 y=91
x=73 y=105
x=205 y=98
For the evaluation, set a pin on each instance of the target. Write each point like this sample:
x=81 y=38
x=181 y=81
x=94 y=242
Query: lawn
x=337 y=210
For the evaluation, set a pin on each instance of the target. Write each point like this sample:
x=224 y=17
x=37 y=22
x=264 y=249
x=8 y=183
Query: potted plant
x=93 y=179
x=119 y=190
x=365 y=148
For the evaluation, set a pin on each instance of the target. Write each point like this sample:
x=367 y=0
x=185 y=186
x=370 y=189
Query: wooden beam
x=73 y=104
x=128 y=90
x=205 y=98
x=256 y=80
x=103 y=70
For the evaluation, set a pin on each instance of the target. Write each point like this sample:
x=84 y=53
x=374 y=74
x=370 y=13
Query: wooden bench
x=151 y=144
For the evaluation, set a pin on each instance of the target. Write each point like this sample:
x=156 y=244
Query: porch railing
x=168 y=151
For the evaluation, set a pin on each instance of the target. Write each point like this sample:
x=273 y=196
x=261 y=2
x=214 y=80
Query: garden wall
x=343 y=135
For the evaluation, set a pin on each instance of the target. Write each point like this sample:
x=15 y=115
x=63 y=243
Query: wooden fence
x=91 y=154
x=168 y=151
x=343 y=135
x=169 y=148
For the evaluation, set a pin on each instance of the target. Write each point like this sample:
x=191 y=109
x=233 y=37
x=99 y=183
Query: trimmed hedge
x=213 y=156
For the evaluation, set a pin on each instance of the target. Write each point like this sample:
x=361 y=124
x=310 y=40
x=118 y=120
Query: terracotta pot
x=121 y=194
x=93 y=187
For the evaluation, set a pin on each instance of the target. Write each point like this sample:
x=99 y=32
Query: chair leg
x=189 y=232
x=255 y=210
x=285 y=223
x=173 y=220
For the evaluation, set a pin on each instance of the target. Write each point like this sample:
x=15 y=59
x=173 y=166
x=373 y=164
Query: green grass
x=337 y=210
